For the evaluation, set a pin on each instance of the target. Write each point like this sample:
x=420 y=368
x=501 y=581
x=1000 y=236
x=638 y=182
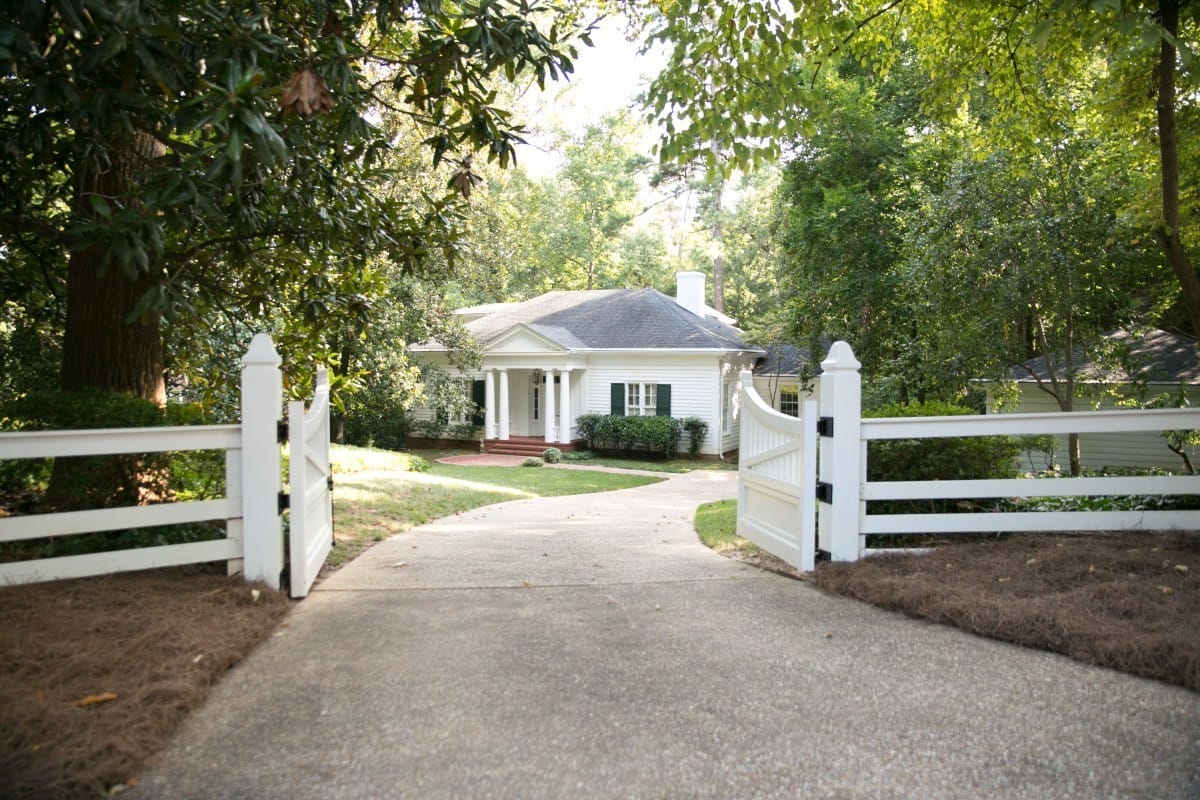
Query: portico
x=543 y=407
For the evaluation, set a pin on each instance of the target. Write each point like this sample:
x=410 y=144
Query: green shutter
x=479 y=398
x=618 y=399
x=663 y=404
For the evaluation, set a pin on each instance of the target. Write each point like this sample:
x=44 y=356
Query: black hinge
x=823 y=555
x=284 y=501
x=329 y=481
x=825 y=426
x=281 y=431
x=824 y=492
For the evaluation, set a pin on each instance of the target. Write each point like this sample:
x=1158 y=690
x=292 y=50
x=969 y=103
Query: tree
x=171 y=158
x=1021 y=256
x=745 y=70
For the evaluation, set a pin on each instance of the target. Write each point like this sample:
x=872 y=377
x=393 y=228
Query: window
x=789 y=401
x=641 y=399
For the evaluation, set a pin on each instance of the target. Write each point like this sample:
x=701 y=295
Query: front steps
x=524 y=446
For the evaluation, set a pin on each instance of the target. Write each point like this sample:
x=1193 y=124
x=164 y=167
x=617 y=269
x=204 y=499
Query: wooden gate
x=310 y=487
x=777 y=457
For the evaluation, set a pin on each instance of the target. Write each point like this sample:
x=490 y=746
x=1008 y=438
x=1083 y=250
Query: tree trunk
x=719 y=258
x=104 y=346
x=1168 y=145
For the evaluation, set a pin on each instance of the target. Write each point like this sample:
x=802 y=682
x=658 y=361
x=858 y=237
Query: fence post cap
x=841 y=357
x=261 y=351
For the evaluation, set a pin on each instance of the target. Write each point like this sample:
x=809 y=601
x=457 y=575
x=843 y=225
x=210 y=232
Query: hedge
x=615 y=433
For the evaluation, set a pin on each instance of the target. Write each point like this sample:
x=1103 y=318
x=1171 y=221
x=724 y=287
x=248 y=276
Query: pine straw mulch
x=1128 y=601
x=96 y=673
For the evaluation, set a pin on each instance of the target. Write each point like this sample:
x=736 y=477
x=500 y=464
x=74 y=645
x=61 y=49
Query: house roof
x=1155 y=356
x=609 y=319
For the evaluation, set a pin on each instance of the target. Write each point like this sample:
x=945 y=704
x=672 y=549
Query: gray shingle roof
x=1156 y=356
x=611 y=319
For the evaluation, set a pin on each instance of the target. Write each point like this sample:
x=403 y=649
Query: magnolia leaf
x=306 y=94
x=95 y=699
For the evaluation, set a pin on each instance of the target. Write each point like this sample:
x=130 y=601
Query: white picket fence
x=771 y=514
x=253 y=543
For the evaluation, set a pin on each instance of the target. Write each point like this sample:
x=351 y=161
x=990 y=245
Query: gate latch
x=824 y=492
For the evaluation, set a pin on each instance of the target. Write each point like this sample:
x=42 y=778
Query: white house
x=1163 y=363
x=550 y=359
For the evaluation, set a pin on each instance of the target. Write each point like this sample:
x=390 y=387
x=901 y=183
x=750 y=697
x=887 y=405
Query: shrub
x=958 y=458
x=579 y=455
x=658 y=436
x=552 y=455
x=696 y=429
x=367 y=428
x=92 y=481
x=532 y=461
x=417 y=464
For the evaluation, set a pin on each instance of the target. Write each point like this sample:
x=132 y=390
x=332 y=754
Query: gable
x=521 y=340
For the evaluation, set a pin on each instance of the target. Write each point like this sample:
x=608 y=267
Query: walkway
x=591 y=647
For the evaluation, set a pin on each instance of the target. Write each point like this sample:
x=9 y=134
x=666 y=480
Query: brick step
x=522 y=446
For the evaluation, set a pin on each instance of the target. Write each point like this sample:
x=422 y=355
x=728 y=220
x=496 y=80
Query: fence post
x=262 y=392
x=840 y=454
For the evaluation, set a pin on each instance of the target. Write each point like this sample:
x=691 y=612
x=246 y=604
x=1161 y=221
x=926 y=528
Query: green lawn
x=716 y=524
x=376 y=495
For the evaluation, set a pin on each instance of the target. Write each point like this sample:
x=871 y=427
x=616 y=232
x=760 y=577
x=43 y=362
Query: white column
x=262 y=393
x=564 y=409
x=489 y=404
x=503 y=423
x=550 y=438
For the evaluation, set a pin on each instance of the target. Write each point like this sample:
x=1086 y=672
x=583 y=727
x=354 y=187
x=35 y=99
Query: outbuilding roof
x=1155 y=356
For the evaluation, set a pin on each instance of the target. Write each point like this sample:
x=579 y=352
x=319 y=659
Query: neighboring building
x=1160 y=363
x=777 y=378
x=550 y=359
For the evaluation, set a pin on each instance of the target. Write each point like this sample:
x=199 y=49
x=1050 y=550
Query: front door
x=537 y=399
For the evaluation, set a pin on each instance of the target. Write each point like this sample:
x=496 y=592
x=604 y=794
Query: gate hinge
x=824 y=426
x=824 y=492
x=281 y=431
x=329 y=481
x=823 y=555
x=284 y=501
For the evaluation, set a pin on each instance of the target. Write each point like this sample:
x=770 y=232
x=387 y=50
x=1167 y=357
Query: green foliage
x=183 y=475
x=955 y=458
x=552 y=455
x=652 y=435
x=237 y=213
x=696 y=430
x=532 y=461
x=85 y=481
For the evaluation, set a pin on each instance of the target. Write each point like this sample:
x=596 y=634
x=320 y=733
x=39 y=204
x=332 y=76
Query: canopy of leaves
x=273 y=194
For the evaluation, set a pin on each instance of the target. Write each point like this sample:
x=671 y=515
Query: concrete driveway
x=589 y=646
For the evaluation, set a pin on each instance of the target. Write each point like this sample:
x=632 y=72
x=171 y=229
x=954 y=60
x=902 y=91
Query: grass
x=716 y=524
x=377 y=494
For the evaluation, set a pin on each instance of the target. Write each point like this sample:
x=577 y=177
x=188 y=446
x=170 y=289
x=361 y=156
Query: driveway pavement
x=589 y=646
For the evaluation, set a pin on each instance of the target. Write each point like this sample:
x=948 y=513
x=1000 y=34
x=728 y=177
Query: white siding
x=695 y=385
x=1137 y=450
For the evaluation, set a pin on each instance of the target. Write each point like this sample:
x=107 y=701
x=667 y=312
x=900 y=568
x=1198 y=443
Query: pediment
x=521 y=340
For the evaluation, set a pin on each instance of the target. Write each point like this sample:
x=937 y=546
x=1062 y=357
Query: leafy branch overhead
x=199 y=161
